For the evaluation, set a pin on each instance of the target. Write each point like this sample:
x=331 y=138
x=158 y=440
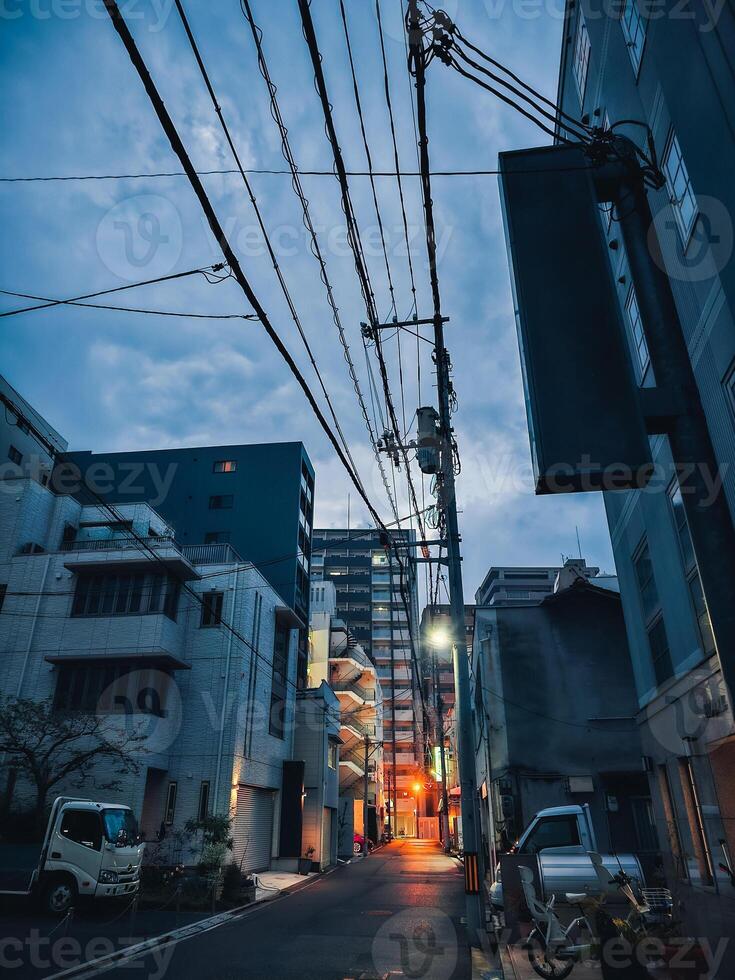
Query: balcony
x=211 y=554
x=127 y=554
x=363 y=695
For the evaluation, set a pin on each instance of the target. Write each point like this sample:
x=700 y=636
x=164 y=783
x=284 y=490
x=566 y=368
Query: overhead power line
x=178 y=147
x=314 y=241
x=129 y=309
x=276 y=172
x=353 y=230
x=205 y=271
x=276 y=266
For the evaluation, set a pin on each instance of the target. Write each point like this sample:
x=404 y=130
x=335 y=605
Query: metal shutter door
x=253 y=830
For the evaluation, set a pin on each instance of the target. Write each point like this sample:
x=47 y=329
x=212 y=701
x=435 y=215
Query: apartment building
x=258 y=498
x=674 y=74
x=338 y=660
x=373 y=591
x=109 y=615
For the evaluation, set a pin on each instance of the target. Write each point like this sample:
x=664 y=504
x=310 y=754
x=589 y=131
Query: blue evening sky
x=73 y=104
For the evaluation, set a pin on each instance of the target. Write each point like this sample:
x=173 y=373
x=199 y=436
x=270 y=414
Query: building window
x=657 y=639
x=217 y=537
x=170 y=810
x=646 y=582
x=225 y=466
x=634 y=32
x=279 y=679
x=15 y=456
x=111 y=687
x=637 y=336
x=679 y=187
x=701 y=614
x=690 y=570
x=203 y=810
x=332 y=755
x=660 y=655
x=581 y=60
x=126 y=595
x=212 y=608
x=221 y=501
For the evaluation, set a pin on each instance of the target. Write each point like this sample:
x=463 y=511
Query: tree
x=53 y=748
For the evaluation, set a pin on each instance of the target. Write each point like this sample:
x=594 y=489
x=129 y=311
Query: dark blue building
x=257 y=498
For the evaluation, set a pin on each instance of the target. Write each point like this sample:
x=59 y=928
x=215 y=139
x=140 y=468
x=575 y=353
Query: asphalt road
x=397 y=912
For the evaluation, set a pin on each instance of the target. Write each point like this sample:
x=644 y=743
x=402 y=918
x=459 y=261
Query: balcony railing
x=211 y=554
x=120 y=544
x=367 y=694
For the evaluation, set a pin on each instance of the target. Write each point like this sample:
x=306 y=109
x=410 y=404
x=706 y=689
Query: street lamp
x=439 y=638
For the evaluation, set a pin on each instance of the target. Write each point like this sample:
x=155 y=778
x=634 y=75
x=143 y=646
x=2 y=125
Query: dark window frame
x=221 y=501
x=211 y=614
x=169 y=809
x=15 y=455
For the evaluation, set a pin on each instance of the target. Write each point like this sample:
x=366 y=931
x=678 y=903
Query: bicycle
x=551 y=952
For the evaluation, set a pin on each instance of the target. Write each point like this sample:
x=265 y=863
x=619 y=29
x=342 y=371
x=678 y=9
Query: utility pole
x=442 y=754
x=685 y=424
x=365 y=848
x=448 y=506
x=390 y=830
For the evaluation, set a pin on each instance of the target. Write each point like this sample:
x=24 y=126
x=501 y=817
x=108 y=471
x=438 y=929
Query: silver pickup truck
x=561 y=837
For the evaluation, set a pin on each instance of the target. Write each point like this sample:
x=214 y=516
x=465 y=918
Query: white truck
x=561 y=838
x=88 y=849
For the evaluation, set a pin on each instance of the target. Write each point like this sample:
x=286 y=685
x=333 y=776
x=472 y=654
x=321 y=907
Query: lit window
x=634 y=31
x=637 y=337
x=679 y=187
x=225 y=466
x=581 y=61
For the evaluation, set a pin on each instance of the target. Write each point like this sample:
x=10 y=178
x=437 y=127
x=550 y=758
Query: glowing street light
x=439 y=638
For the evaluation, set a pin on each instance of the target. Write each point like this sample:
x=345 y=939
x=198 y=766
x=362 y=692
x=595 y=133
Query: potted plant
x=237 y=888
x=306 y=861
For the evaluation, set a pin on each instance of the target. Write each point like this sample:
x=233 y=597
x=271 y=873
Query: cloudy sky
x=72 y=104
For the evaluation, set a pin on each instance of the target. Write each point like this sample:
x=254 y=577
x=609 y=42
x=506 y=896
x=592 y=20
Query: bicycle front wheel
x=543 y=960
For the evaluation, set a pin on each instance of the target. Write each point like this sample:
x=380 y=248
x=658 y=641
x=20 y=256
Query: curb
x=483 y=969
x=120 y=957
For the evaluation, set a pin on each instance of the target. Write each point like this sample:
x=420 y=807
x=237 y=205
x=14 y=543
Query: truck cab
x=89 y=849
x=561 y=839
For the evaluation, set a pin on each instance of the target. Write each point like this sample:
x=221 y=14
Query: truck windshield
x=559 y=831
x=121 y=827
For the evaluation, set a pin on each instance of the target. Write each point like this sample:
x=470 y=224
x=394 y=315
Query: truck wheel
x=544 y=963
x=59 y=895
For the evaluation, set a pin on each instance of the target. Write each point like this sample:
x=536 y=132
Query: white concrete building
x=340 y=661
x=107 y=613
